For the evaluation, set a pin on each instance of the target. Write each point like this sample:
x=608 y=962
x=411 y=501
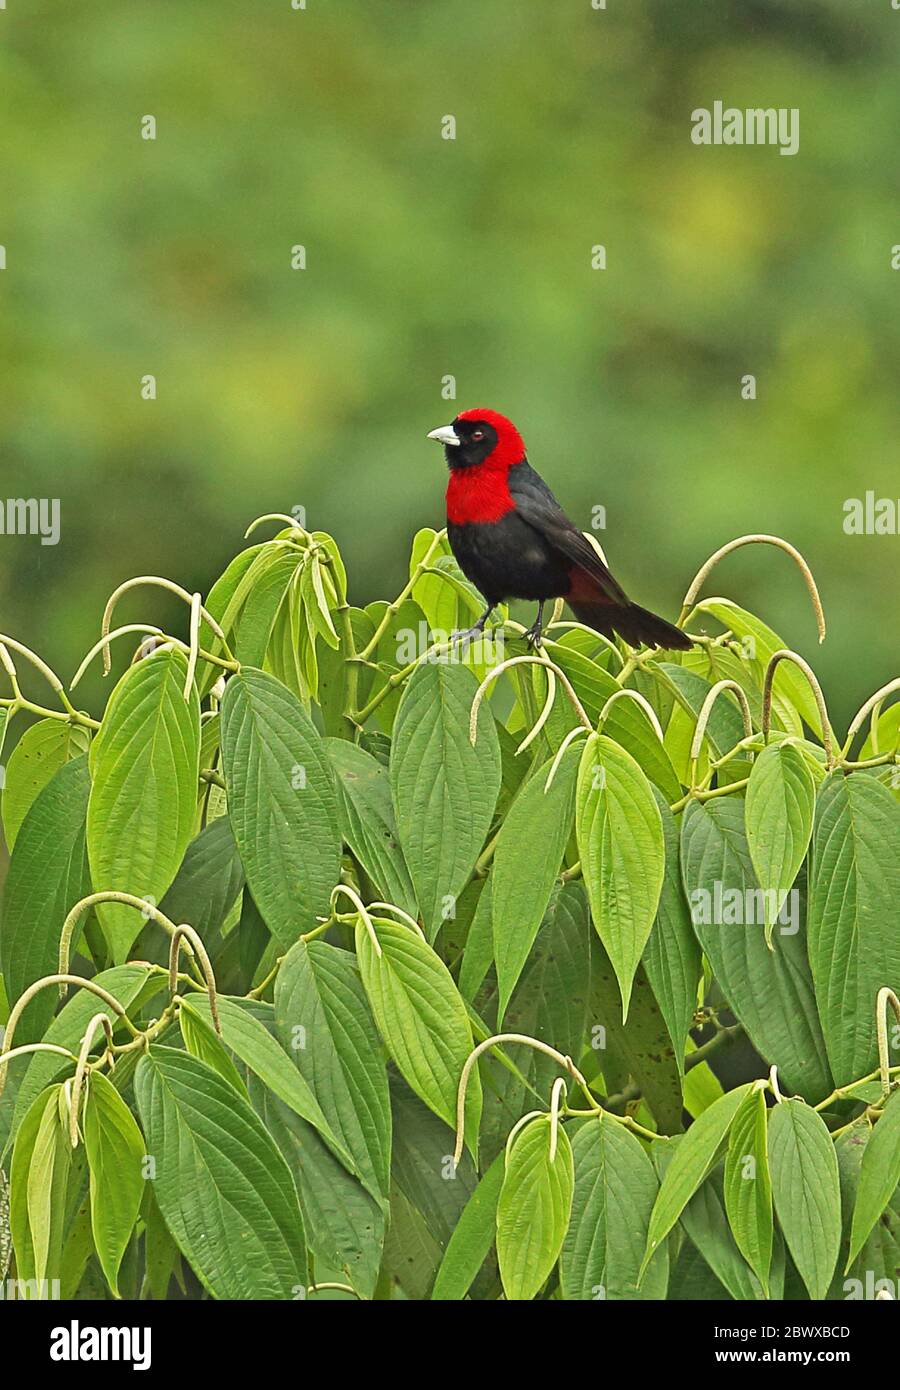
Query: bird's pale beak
x=446 y=435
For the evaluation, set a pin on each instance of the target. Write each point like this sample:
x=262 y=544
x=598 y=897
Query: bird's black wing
x=537 y=506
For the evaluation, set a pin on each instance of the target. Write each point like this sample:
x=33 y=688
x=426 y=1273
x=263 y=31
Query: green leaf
x=701 y=1086
x=144 y=765
x=252 y=1042
x=48 y=874
x=422 y=1166
x=725 y=727
x=439 y=599
x=400 y=643
x=224 y=1190
x=325 y=1024
x=34 y=1154
x=878 y=1176
x=771 y=992
x=620 y=839
x=225 y=600
x=527 y=859
x=124 y=982
x=472 y=1238
x=748 y=1186
x=260 y=608
x=46 y=1181
x=781 y=797
x=625 y=723
x=344 y=1224
x=201 y=1040
x=290 y=653
x=789 y=686
x=854 y=945
x=367 y=821
x=115 y=1154
x=333 y=671
x=207 y=885
x=444 y=790
x=161 y=1255
x=281 y=801
x=323 y=593
x=806 y=1190
x=694 y=1157
x=705 y=1222
x=78 y=1247
x=42 y=750
x=879 y=1256
x=549 y=1003
x=672 y=957
x=615 y=1189
x=534 y=1207
x=422 y=1019
x=478 y=951
x=640 y=1048
x=412 y=1256
x=886 y=734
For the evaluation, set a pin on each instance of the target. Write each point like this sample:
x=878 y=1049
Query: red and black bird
x=512 y=539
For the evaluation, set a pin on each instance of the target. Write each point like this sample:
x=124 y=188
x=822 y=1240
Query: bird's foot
x=534 y=635
x=466 y=635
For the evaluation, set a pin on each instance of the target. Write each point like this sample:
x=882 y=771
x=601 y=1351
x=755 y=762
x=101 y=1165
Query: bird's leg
x=476 y=629
x=533 y=635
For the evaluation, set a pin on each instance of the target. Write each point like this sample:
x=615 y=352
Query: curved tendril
x=565 y=1062
x=149 y=630
x=25 y=999
x=629 y=694
x=182 y=933
x=277 y=516
x=194 y=648
x=155 y=580
x=872 y=706
x=98 y=1021
x=559 y=1087
x=696 y=585
x=339 y=1288
x=786 y=655
x=561 y=752
x=38 y=663
x=516 y=1130
x=26 y=1048
x=541 y=719
x=524 y=660
x=885 y=996
x=148 y=911
x=605 y=642
x=8 y=665
x=103 y=645
x=773 y=1082
x=361 y=909
x=404 y=916
x=706 y=710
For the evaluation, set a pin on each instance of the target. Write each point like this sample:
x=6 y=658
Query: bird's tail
x=632 y=622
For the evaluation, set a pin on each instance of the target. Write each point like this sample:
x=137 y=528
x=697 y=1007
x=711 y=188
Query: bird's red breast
x=481 y=493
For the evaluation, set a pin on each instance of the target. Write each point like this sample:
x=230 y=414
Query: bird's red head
x=480 y=436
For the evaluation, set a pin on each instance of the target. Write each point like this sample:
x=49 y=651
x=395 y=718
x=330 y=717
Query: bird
x=512 y=539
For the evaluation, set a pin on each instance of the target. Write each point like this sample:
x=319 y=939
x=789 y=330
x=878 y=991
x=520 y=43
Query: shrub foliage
x=346 y=959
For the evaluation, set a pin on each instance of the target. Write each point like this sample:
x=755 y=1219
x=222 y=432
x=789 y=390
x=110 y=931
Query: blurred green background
x=429 y=258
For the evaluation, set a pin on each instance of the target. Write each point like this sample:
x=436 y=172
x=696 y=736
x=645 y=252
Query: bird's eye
x=478 y=434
